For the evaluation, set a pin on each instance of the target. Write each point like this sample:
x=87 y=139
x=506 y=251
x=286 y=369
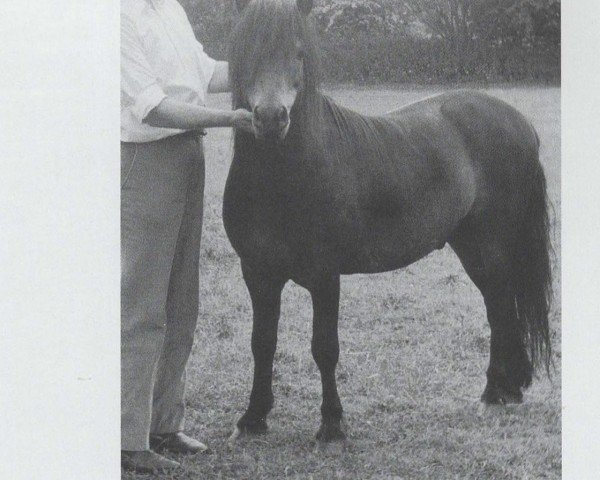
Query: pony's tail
x=532 y=273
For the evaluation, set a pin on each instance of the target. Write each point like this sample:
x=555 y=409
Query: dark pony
x=318 y=191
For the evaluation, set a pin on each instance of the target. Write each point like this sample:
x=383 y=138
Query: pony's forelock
x=268 y=29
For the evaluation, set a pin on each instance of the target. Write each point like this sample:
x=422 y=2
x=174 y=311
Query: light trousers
x=162 y=188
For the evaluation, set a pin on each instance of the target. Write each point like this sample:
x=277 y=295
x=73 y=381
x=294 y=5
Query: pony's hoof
x=255 y=427
x=330 y=432
x=496 y=395
x=244 y=427
x=331 y=440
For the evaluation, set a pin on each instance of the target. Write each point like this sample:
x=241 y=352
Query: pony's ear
x=305 y=6
x=241 y=4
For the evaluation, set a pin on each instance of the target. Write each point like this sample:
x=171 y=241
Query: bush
x=373 y=41
x=364 y=58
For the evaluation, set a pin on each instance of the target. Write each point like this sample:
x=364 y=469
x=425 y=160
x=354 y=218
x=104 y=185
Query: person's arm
x=171 y=113
x=141 y=92
x=219 y=82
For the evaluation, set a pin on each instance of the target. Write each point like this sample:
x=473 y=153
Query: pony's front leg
x=325 y=350
x=265 y=292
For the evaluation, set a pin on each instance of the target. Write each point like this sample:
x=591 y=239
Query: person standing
x=165 y=78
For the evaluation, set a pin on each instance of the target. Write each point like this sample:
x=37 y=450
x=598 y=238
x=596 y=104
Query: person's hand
x=242 y=119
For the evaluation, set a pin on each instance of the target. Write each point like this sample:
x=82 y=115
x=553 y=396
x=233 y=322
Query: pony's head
x=272 y=62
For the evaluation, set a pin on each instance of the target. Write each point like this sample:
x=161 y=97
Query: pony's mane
x=357 y=132
x=269 y=28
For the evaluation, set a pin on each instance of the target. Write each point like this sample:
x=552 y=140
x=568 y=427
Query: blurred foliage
x=351 y=16
x=417 y=41
x=212 y=21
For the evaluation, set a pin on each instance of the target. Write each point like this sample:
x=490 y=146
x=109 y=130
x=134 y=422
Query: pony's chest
x=289 y=228
x=260 y=224
x=257 y=224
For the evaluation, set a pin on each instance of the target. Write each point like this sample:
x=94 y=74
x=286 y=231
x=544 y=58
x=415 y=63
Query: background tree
x=417 y=41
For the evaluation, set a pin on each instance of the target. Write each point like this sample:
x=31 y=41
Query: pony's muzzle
x=271 y=122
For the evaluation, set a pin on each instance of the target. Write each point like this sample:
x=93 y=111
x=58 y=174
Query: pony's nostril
x=256 y=120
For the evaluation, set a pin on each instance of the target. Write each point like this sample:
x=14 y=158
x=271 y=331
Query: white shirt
x=160 y=57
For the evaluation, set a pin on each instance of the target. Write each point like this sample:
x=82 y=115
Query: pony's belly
x=306 y=262
x=385 y=260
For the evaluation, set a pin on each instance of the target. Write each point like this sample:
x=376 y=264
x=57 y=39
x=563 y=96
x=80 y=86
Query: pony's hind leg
x=510 y=368
x=488 y=264
x=325 y=350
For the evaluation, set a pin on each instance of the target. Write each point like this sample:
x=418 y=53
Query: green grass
x=414 y=350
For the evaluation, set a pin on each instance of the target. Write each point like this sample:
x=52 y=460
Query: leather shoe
x=146 y=461
x=176 y=442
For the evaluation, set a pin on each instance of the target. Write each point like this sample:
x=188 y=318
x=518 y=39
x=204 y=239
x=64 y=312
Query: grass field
x=414 y=350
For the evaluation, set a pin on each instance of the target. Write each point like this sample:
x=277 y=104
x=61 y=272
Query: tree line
x=417 y=41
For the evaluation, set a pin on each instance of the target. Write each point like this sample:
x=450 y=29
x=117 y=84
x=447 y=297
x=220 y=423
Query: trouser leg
x=152 y=208
x=182 y=312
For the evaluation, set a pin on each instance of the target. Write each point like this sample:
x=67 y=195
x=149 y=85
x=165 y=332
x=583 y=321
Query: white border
x=59 y=240
x=580 y=239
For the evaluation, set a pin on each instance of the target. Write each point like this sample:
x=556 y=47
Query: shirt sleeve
x=139 y=86
x=207 y=65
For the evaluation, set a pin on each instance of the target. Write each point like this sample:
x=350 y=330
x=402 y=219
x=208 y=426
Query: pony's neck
x=308 y=115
